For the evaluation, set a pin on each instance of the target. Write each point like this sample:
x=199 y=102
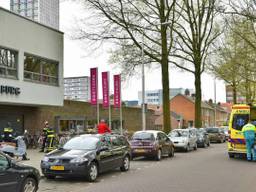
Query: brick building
x=75 y=115
x=185 y=107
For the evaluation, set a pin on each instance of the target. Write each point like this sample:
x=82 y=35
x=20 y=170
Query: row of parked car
x=91 y=154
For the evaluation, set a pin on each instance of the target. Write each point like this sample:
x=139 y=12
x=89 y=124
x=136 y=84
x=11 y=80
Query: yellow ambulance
x=239 y=116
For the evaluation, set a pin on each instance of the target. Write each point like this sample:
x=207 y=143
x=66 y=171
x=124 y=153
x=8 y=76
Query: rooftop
x=10 y=12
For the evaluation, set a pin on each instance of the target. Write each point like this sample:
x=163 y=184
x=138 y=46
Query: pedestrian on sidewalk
x=248 y=131
x=103 y=127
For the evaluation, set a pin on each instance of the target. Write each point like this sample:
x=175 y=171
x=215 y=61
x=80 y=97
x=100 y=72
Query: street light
x=143 y=78
x=215 y=104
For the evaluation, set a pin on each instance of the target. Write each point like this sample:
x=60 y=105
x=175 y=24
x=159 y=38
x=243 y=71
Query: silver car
x=184 y=139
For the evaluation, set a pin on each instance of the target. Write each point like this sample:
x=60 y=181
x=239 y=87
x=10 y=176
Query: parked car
x=225 y=131
x=87 y=156
x=151 y=144
x=15 y=176
x=216 y=135
x=203 y=139
x=184 y=139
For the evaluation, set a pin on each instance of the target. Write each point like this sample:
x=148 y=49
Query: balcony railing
x=40 y=78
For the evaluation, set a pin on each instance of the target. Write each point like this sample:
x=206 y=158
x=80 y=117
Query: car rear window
x=239 y=120
x=212 y=130
x=143 y=136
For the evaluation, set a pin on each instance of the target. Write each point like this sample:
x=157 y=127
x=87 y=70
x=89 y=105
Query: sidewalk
x=35 y=158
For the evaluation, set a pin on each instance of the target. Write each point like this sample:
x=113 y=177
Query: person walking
x=248 y=131
x=103 y=127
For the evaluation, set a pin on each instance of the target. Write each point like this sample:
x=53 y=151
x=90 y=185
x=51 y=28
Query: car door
x=105 y=154
x=167 y=143
x=163 y=142
x=8 y=177
x=191 y=139
x=118 y=151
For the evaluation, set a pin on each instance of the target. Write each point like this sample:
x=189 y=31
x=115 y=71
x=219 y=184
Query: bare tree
x=195 y=33
x=128 y=24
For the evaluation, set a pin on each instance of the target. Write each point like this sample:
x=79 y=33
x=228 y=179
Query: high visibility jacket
x=249 y=131
x=8 y=130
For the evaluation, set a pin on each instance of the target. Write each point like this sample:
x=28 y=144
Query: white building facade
x=155 y=97
x=42 y=11
x=77 y=88
x=31 y=66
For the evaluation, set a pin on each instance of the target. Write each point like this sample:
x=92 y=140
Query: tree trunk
x=166 y=97
x=234 y=94
x=198 y=95
x=165 y=72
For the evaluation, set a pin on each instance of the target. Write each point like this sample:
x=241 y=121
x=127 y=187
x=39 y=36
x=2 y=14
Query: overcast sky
x=78 y=63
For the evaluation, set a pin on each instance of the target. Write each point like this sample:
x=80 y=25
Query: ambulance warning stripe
x=237 y=141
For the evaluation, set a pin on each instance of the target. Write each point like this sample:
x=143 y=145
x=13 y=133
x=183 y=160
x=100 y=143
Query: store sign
x=4 y=89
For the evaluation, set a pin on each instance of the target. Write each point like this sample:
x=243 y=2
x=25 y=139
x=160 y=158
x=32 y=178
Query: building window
x=40 y=70
x=8 y=63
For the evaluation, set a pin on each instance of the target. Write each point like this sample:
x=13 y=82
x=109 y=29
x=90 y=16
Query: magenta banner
x=117 y=91
x=105 y=89
x=94 y=86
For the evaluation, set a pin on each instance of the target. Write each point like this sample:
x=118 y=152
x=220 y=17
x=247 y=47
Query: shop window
x=40 y=70
x=8 y=63
x=72 y=126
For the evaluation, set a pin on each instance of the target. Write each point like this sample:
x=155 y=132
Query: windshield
x=239 y=120
x=212 y=130
x=143 y=136
x=178 y=133
x=82 y=143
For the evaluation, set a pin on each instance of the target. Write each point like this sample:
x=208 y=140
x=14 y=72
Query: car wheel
x=195 y=147
x=171 y=154
x=92 y=172
x=231 y=155
x=187 y=148
x=50 y=177
x=29 y=185
x=126 y=164
x=159 y=155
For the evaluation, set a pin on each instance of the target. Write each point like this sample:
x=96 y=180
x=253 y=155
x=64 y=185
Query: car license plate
x=140 y=150
x=57 y=168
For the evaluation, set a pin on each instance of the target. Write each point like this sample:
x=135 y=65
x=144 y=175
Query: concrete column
x=20 y=66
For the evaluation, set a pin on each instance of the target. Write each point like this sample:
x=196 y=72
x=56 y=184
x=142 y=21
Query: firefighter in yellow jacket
x=48 y=138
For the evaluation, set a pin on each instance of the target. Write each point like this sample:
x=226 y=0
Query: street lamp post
x=143 y=86
x=215 y=104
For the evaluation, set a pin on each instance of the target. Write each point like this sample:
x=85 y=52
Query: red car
x=151 y=143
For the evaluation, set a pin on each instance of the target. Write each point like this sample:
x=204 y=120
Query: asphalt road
x=204 y=170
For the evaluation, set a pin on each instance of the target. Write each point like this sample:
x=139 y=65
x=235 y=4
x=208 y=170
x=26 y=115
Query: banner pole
x=98 y=105
x=121 y=112
x=109 y=105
